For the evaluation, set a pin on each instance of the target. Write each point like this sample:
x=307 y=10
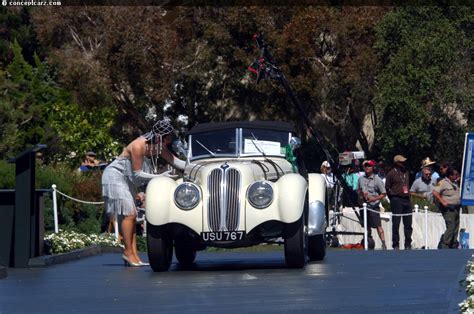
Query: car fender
x=317 y=204
x=292 y=189
x=161 y=209
x=287 y=206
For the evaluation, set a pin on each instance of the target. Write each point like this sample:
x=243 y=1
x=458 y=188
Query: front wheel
x=296 y=241
x=316 y=247
x=184 y=251
x=159 y=247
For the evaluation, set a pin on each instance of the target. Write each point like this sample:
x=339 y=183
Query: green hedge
x=72 y=215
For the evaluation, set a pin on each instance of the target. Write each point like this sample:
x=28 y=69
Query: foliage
x=194 y=68
x=34 y=109
x=72 y=215
x=141 y=243
x=66 y=241
x=424 y=92
x=82 y=130
x=26 y=91
x=7 y=175
x=15 y=25
x=381 y=79
x=467 y=306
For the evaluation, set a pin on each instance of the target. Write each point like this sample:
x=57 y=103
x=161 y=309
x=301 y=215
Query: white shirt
x=330 y=179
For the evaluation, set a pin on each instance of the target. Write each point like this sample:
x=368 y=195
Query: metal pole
x=55 y=209
x=366 y=242
x=426 y=227
x=116 y=229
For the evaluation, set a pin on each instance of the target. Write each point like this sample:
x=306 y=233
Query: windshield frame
x=239 y=146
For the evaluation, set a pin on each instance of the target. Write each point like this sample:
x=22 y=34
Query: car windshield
x=239 y=142
x=213 y=144
x=267 y=142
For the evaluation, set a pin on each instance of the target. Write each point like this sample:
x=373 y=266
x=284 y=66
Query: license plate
x=222 y=236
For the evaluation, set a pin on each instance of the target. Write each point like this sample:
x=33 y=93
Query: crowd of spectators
x=374 y=182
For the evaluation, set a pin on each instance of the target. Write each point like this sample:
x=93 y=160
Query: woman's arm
x=172 y=159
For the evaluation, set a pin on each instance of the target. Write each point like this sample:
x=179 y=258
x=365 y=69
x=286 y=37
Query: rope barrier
x=75 y=199
x=55 y=207
x=375 y=211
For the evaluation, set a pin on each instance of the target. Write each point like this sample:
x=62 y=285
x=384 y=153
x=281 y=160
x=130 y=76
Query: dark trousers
x=401 y=206
x=451 y=218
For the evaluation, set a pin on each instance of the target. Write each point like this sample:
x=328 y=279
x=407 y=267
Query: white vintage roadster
x=241 y=187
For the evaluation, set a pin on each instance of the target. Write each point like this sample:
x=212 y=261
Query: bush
x=72 y=215
x=7 y=175
x=66 y=241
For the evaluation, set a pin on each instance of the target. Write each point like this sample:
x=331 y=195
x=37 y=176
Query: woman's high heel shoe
x=127 y=262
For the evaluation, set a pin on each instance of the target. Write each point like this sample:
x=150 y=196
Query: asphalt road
x=345 y=282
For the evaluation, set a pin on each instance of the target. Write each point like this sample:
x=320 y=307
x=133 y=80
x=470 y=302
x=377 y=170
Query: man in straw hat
x=423 y=186
x=427 y=162
x=397 y=186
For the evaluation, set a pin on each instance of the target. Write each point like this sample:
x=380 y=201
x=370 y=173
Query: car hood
x=251 y=170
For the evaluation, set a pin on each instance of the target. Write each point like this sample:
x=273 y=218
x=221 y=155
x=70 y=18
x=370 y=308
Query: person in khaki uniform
x=447 y=194
x=371 y=190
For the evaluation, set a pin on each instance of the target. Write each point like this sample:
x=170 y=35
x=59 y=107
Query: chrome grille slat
x=214 y=196
x=233 y=184
x=224 y=205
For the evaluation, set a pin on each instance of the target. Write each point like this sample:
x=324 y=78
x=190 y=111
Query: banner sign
x=467 y=174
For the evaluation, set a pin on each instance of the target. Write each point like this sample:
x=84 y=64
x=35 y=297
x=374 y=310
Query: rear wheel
x=296 y=241
x=184 y=251
x=317 y=247
x=160 y=248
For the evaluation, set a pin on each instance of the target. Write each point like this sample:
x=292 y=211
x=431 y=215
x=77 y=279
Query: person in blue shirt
x=427 y=162
x=90 y=162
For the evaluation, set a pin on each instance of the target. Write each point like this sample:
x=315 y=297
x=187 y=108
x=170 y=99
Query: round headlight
x=260 y=194
x=187 y=196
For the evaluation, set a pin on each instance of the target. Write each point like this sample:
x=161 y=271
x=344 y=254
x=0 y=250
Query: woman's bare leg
x=128 y=233
x=134 y=243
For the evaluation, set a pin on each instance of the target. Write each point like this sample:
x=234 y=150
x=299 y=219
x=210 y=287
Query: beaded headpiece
x=159 y=129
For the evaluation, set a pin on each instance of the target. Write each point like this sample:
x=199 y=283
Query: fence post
x=116 y=228
x=417 y=208
x=426 y=227
x=55 y=209
x=366 y=241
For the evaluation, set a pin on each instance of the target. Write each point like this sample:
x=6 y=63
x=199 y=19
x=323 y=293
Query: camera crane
x=265 y=67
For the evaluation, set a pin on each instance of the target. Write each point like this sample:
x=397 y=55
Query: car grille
x=224 y=205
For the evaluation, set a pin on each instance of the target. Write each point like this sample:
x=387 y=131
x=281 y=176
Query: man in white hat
x=427 y=162
x=423 y=186
x=397 y=186
x=330 y=178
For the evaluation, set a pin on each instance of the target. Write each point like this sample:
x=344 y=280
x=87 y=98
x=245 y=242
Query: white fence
x=427 y=228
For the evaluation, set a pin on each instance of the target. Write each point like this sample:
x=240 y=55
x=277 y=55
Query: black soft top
x=267 y=125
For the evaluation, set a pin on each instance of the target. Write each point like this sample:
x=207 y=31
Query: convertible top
x=267 y=125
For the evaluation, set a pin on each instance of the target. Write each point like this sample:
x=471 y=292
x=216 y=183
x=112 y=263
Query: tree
x=34 y=110
x=15 y=24
x=25 y=92
x=424 y=92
